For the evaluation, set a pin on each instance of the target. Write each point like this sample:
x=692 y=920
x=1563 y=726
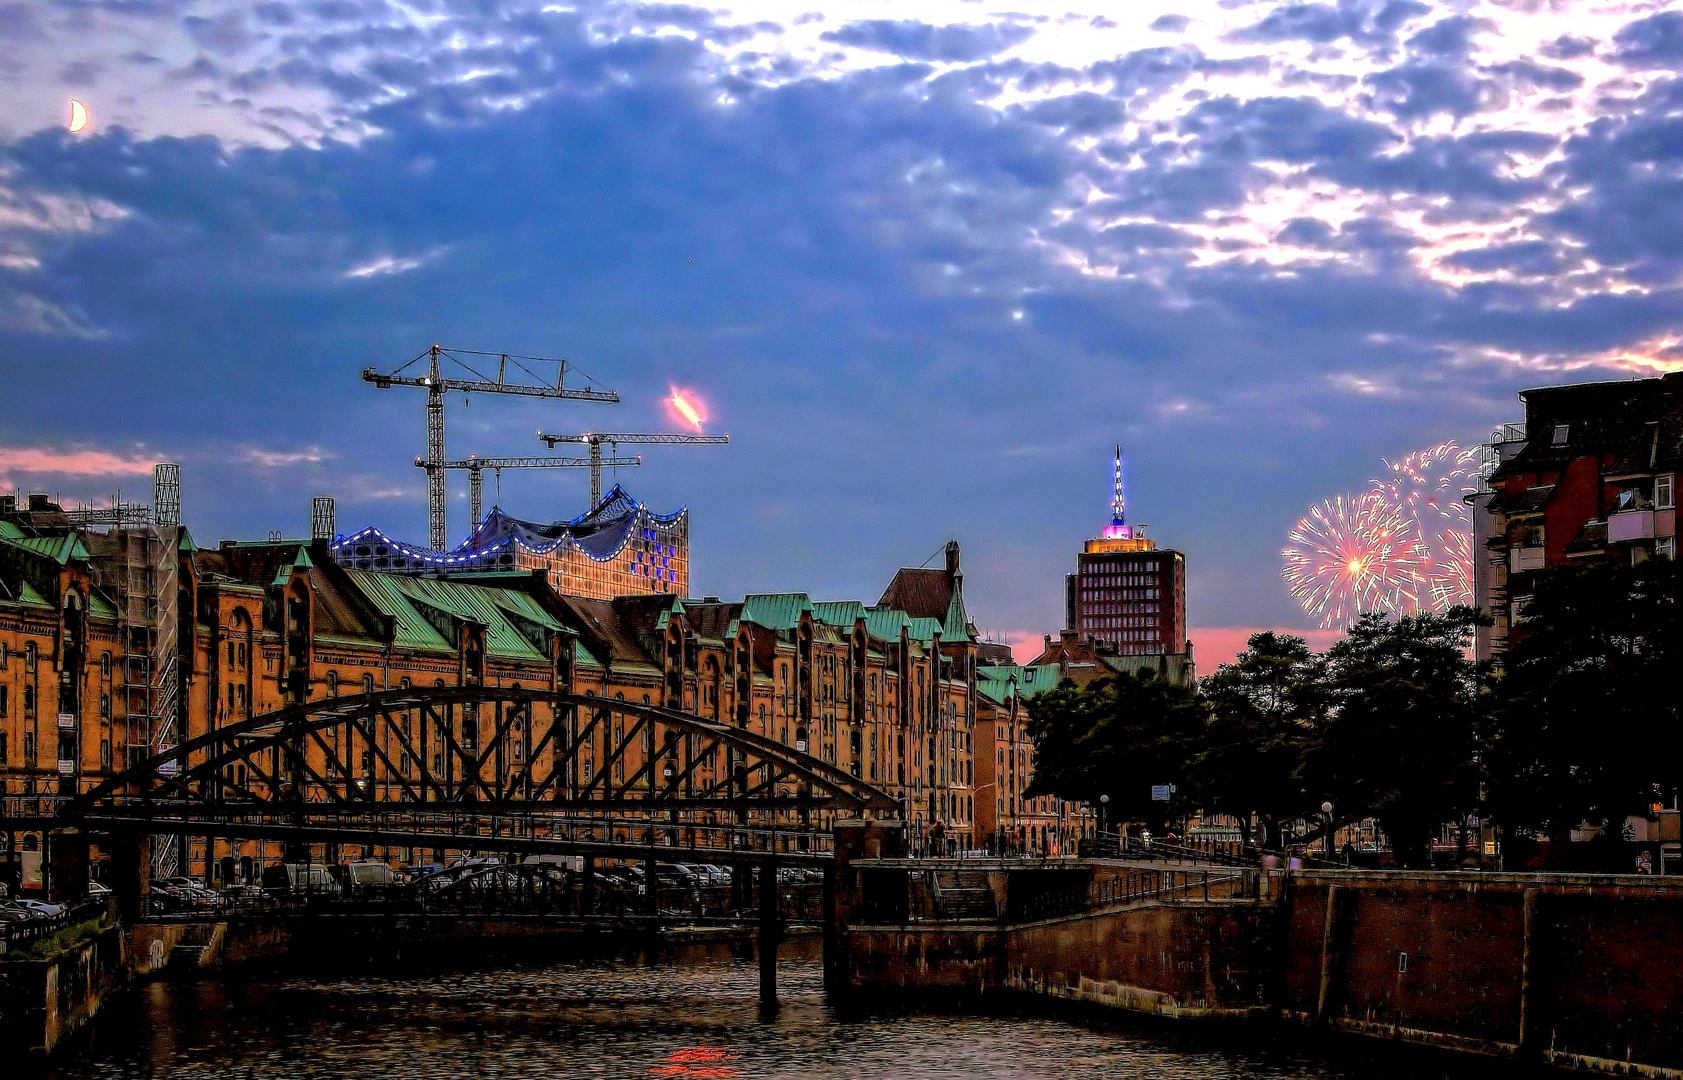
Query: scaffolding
x=138 y=566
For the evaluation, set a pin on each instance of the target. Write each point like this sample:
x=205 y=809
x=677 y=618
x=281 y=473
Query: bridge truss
x=490 y=768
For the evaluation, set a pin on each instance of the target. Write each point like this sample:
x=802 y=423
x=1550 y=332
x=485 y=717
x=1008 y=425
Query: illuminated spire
x=1118 y=529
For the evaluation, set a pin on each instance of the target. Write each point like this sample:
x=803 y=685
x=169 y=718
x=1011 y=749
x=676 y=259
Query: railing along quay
x=1145 y=885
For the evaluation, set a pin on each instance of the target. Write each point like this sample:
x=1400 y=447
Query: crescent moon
x=78 y=115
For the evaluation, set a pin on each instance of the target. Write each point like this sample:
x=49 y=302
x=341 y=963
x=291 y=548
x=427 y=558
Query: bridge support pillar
x=832 y=958
x=768 y=935
x=651 y=887
x=131 y=874
x=589 y=897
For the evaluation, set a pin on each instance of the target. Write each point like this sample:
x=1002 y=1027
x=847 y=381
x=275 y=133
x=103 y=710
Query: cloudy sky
x=926 y=261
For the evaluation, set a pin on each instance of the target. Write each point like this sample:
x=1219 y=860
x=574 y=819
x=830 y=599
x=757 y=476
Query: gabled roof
x=842 y=613
x=60 y=549
x=999 y=682
x=775 y=611
x=885 y=623
x=921 y=592
x=606 y=635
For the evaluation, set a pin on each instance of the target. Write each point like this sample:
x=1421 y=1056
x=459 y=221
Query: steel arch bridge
x=490 y=768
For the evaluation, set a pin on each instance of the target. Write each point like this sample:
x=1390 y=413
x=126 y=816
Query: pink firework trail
x=1404 y=546
x=1351 y=555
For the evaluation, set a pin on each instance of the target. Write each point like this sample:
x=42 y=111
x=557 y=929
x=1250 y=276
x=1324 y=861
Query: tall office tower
x=1126 y=591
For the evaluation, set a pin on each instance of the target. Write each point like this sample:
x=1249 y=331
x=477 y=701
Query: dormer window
x=1561 y=431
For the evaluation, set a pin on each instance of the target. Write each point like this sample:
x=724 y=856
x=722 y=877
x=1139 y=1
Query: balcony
x=1521 y=559
x=1630 y=525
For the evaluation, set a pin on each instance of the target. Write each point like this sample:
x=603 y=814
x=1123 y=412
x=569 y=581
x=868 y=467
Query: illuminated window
x=1662 y=492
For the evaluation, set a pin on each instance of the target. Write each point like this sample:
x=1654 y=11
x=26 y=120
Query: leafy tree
x=1588 y=726
x=1265 y=709
x=1118 y=737
x=1404 y=718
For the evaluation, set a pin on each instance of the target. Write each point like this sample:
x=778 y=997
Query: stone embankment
x=1580 y=971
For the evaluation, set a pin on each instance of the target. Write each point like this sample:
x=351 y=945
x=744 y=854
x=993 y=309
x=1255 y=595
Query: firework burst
x=1428 y=487
x=1403 y=546
x=1351 y=555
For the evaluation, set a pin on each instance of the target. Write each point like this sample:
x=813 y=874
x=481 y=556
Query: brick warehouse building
x=884 y=692
x=1591 y=475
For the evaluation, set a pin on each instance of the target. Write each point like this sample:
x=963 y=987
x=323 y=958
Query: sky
x=926 y=261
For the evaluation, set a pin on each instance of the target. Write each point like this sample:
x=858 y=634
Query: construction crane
x=437 y=386
x=476 y=466
x=595 y=439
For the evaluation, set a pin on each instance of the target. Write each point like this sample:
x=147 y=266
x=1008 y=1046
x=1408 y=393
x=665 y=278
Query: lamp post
x=1104 y=800
x=1326 y=808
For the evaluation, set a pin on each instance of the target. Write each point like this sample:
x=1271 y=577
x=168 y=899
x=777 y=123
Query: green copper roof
x=842 y=613
x=957 y=624
x=512 y=629
x=411 y=629
x=925 y=629
x=884 y=624
x=775 y=611
x=995 y=680
x=100 y=606
x=61 y=549
x=8 y=531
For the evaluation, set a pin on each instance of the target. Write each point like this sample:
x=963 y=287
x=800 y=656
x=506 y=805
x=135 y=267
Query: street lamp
x=1104 y=800
x=1326 y=808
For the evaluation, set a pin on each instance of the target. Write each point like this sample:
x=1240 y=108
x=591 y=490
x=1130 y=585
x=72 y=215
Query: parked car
x=304 y=879
x=51 y=911
x=371 y=879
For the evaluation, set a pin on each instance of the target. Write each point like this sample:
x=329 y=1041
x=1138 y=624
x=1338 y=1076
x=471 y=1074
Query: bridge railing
x=1146 y=885
x=606 y=898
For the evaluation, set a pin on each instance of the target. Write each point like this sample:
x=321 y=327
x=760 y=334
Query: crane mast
x=437 y=385
x=595 y=440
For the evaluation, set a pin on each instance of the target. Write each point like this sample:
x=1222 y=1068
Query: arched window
x=368 y=684
x=104 y=665
x=332 y=684
x=29 y=657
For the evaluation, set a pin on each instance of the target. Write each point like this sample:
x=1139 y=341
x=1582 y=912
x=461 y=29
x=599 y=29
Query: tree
x=1405 y=709
x=1588 y=725
x=1115 y=736
x=1264 y=710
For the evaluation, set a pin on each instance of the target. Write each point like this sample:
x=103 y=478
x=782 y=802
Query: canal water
x=693 y=1017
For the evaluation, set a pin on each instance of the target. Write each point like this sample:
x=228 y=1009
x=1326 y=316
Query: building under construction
x=619 y=547
x=90 y=639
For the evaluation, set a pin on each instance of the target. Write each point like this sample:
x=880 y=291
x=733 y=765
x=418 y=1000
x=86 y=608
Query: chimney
x=321 y=519
x=952 y=557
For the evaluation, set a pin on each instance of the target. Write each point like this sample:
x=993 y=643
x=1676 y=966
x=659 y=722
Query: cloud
x=1652 y=42
x=281 y=459
x=43 y=460
x=1293 y=236
x=915 y=40
x=384 y=265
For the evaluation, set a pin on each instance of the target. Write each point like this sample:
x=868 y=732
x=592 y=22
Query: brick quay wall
x=1582 y=971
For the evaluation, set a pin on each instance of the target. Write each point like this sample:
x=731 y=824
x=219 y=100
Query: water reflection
x=696 y=1021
